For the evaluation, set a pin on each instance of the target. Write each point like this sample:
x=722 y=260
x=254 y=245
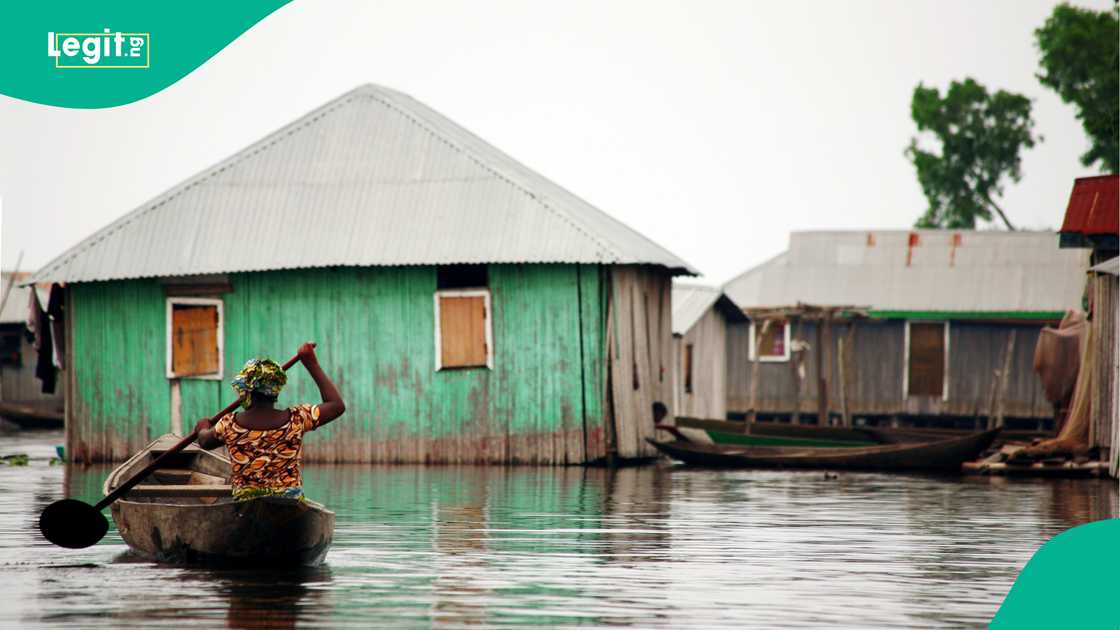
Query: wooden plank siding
x=18 y=383
x=641 y=354
x=1103 y=413
x=875 y=383
x=545 y=401
x=707 y=398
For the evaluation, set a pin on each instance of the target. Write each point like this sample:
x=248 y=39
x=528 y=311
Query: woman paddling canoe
x=265 y=443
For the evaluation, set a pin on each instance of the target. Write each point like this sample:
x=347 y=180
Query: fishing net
x=1064 y=360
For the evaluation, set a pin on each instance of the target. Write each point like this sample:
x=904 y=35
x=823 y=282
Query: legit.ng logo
x=100 y=50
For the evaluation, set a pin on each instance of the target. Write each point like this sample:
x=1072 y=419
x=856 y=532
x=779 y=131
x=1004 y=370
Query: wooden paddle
x=76 y=524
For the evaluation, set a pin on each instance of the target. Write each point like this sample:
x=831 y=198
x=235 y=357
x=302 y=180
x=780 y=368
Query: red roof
x=1094 y=206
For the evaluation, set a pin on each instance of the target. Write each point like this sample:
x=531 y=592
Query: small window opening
x=462 y=277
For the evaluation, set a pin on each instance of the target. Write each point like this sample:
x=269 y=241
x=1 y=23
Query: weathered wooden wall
x=1103 y=424
x=708 y=398
x=543 y=402
x=875 y=383
x=18 y=382
x=641 y=354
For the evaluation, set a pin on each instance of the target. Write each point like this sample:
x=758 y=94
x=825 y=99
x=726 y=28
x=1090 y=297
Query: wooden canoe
x=945 y=454
x=184 y=512
x=785 y=434
x=31 y=416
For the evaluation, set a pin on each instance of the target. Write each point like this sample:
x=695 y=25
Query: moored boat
x=184 y=512
x=940 y=454
x=786 y=434
x=30 y=415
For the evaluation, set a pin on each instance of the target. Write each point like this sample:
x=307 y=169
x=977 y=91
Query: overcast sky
x=714 y=128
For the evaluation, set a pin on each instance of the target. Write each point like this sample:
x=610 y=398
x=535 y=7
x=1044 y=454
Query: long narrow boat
x=944 y=454
x=31 y=416
x=184 y=513
x=784 y=434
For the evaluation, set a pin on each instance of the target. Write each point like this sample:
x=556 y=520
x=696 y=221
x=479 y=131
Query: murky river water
x=659 y=546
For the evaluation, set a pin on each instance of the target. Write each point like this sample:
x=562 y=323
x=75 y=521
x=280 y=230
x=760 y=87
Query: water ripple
x=657 y=546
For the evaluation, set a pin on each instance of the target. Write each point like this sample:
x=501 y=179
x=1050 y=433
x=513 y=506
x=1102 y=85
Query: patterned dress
x=267 y=459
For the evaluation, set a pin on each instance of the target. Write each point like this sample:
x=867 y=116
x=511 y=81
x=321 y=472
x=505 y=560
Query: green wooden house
x=470 y=309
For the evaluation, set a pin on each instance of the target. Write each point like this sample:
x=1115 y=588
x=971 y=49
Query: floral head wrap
x=263 y=376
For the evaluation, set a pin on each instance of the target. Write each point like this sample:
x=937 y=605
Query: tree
x=1079 y=61
x=980 y=136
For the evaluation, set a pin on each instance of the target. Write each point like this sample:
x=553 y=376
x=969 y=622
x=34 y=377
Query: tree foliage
x=1079 y=49
x=980 y=136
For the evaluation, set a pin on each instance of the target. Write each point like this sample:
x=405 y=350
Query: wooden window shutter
x=687 y=368
x=462 y=324
x=194 y=339
x=926 y=368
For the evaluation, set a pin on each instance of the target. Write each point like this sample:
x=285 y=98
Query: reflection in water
x=276 y=599
x=653 y=546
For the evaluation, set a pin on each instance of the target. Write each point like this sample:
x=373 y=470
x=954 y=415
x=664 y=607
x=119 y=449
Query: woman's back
x=267 y=457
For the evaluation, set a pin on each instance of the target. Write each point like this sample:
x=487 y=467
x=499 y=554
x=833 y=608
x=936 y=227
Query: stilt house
x=701 y=316
x=1092 y=221
x=470 y=309
x=21 y=393
x=923 y=328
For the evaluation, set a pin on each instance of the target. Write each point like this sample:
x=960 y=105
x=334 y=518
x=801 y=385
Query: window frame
x=487 y=322
x=197 y=301
x=753 y=349
x=906 y=359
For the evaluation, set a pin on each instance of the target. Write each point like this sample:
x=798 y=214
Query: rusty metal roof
x=372 y=178
x=1094 y=206
x=692 y=301
x=919 y=271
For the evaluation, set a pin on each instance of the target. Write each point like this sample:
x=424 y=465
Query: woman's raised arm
x=332 y=405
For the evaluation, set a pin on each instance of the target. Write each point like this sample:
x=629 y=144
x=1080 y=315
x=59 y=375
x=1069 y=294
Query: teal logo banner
x=1073 y=581
x=104 y=54
x=100 y=50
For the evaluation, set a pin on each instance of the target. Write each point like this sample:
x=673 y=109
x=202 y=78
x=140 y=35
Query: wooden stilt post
x=1004 y=378
x=824 y=366
x=752 y=416
x=795 y=359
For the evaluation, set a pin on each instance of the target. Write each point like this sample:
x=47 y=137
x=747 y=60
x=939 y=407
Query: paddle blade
x=72 y=524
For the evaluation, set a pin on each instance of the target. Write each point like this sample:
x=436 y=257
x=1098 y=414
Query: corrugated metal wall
x=708 y=399
x=542 y=403
x=875 y=385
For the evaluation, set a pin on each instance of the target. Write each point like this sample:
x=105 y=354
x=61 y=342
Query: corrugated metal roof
x=919 y=270
x=15 y=307
x=1110 y=266
x=692 y=301
x=1094 y=206
x=371 y=178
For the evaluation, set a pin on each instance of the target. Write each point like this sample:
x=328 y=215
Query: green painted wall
x=120 y=390
x=375 y=330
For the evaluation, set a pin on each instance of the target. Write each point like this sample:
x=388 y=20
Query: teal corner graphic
x=1073 y=581
x=105 y=54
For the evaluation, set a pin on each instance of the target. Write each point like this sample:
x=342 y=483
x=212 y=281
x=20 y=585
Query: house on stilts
x=470 y=309
x=701 y=317
x=928 y=328
x=1092 y=221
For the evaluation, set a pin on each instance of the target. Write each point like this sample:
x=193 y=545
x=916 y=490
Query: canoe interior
x=192 y=476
